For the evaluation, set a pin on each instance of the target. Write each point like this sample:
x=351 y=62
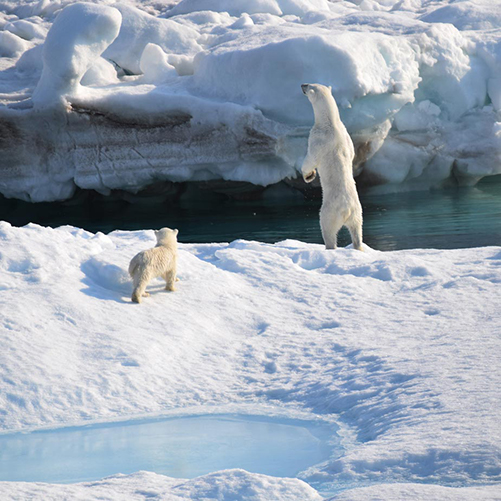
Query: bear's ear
x=330 y=88
x=176 y=232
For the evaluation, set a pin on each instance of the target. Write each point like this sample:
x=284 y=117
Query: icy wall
x=109 y=95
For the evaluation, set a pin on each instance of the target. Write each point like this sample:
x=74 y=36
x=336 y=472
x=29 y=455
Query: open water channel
x=445 y=219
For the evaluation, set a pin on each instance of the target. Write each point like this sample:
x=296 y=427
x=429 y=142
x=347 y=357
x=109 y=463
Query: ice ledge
x=47 y=154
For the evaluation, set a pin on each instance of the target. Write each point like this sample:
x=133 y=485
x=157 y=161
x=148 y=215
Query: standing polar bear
x=331 y=153
x=161 y=261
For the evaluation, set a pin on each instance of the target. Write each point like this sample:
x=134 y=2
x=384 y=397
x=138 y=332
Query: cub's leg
x=170 y=279
x=141 y=279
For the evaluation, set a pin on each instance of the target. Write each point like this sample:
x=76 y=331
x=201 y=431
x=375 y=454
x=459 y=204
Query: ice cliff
x=108 y=95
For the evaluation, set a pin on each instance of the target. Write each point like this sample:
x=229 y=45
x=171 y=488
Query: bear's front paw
x=310 y=176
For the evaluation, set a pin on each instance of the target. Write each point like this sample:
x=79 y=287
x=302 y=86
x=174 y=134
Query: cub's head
x=166 y=236
x=314 y=92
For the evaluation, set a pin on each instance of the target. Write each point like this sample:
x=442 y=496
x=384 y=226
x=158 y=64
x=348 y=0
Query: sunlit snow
x=399 y=349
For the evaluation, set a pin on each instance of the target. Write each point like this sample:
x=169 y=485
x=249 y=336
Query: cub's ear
x=330 y=88
x=156 y=232
x=176 y=232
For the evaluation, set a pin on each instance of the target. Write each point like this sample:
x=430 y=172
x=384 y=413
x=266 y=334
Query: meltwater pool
x=183 y=447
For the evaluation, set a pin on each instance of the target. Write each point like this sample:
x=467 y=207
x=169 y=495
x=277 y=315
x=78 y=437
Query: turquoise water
x=180 y=447
x=452 y=218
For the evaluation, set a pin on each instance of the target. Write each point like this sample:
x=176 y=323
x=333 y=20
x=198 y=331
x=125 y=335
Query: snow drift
x=211 y=90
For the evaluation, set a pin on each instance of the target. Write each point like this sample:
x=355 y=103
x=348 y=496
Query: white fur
x=161 y=261
x=331 y=153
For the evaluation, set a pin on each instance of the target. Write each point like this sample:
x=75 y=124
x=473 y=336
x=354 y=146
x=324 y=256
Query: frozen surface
x=401 y=350
x=196 y=90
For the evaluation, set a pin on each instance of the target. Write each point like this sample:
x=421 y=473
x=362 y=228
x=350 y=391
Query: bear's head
x=166 y=236
x=316 y=91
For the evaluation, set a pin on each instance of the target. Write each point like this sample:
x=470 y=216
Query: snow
x=397 y=492
x=467 y=15
x=27 y=29
x=154 y=64
x=389 y=63
x=232 y=485
x=139 y=29
x=224 y=486
x=10 y=44
x=80 y=33
x=399 y=349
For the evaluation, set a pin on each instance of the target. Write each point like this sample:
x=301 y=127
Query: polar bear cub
x=161 y=261
x=331 y=153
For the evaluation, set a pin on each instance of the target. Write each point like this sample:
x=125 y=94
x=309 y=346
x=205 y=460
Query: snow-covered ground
x=400 y=349
x=205 y=89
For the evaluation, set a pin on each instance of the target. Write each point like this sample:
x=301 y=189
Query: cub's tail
x=133 y=265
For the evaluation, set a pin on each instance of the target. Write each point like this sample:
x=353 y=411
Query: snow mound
x=10 y=44
x=80 y=33
x=25 y=29
x=271 y=78
x=228 y=485
x=467 y=15
x=138 y=29
x=419 y=493
x=155 y=65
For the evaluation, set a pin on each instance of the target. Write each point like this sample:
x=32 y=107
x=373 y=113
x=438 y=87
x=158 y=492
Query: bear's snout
x=304 y=88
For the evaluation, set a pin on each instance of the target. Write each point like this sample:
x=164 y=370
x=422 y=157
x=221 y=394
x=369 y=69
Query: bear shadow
x=106 y=281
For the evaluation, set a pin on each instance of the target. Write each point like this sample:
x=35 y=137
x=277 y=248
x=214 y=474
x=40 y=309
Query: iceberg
x=108 y=96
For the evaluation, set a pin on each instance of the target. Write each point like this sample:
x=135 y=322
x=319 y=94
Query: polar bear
x=331 y=153
x=160 y=261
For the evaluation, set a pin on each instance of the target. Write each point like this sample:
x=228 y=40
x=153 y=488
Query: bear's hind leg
x=330 y=225
x=354 y=225
x=356 y=236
